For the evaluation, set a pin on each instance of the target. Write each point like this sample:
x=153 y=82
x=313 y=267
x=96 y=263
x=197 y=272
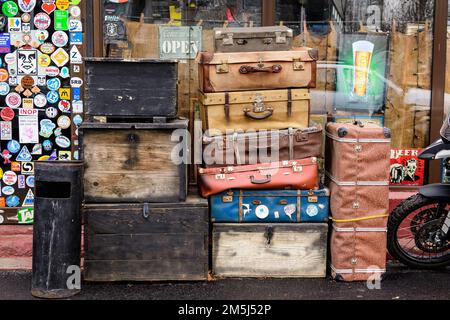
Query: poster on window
x=361 y=72
x=406 y=167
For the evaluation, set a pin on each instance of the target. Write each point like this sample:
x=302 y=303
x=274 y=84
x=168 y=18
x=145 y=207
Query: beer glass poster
x=406 y=167
x=361 y=72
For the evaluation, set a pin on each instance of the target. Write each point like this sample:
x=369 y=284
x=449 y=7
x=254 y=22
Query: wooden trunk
x=132 y=162
x=155 y=242
x=270 y=250
x=131 y=88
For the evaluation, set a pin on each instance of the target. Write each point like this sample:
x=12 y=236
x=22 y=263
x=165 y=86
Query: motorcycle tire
x=398 y=215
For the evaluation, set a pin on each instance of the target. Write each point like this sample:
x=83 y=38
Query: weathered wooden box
x=135 y=162
x=138 y=88
x=154 y=242
x=270 y=250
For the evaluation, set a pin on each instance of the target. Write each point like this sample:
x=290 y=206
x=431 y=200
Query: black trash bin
x=57 y=229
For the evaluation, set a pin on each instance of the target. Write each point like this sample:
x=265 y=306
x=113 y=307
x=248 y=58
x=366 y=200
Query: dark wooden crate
x=170 y=245
x=131 y=162
x=138 y=88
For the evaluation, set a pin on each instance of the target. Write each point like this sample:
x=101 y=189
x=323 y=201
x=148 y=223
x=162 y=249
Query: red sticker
x=7 y=114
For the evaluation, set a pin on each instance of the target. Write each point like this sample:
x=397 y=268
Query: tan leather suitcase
x=357 y=253
x=223 y=113
x=240 y=71
x=276 y=38
x=297 y=174
x=263 y=146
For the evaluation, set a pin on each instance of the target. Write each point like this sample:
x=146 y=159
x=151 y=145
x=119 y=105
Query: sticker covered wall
x=40 y=48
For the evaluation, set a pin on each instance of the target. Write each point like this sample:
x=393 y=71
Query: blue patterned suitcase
x=282 y=206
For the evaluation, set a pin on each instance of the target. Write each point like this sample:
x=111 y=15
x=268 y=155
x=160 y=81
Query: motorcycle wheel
x=402 y=232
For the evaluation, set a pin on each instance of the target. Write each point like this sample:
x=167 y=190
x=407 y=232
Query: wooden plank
x=144 y=39
x=147 y=270
x=294 y=250
x=147 y=246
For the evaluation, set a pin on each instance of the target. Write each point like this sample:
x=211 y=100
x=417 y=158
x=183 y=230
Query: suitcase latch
x=354 y=261
x=268 y=41
x=220 y=176
x=280 y=37
x=358 y=148
x=296 y=168
x=228 y=40
x=145 y=211
x=223 y=67
x=227 y=199
x=355 y=205
x=313 y=199
x=299 y=65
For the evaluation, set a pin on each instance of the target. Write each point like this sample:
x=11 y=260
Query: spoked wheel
x=416 y=236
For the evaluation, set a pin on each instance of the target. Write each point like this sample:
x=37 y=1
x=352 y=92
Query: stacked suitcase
x=357 y=165
x=140 y=223
x=260 y=156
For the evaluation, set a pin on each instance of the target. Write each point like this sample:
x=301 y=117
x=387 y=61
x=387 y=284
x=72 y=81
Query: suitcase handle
x=259 y=115
x=264 y=181
x=276 y=68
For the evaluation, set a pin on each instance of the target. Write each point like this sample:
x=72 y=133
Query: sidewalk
x=399 y=284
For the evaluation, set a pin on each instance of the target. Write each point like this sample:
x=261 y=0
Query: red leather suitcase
x=296 y=174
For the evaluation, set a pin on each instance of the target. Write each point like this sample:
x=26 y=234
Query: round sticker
x=47 y=48
x=312 y=211
x=8 y=190
x=53 y=84
x=27 y=82
x=47 y=145
x=10 y=9
x=44 y=60
x=64 y=122
x=52 y=71
x=62 y=4
x=10 y=58
x=27 y=5
x=13 y=100
x=40 y=100
x=3 y=21
x=26 y=17
x=60 y=39
x=75 y=11
x=64 y=106
x=7 y=114
x=52 y=97
x=4 y=88
x=77 y=120
x=76 y=82
x=2 y=219
x=42 y=21
x=51 y=112
x=63 y=142
x=12 y=201
x=30 y=181
x=13 y=146
x=4 y=75
x=41 y=35
x=262 y=212
x=9 y=178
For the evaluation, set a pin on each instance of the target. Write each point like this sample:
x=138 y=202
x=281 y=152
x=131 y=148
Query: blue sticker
x=47 y=127
x=13 y=146
x=24 y=155
x=76 y=93
x=48 y=145
x=30 y=181
x=52 y=96
x=12 y=201
x=21 y=181
x=53 y=84
x=76 y=38
x=77 y=120
x=53 y=156
x=5 y=43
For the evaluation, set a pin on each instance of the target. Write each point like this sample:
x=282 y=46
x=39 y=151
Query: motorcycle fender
x=438 y=191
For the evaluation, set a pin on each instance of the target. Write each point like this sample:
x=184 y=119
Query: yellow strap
x=360 y=219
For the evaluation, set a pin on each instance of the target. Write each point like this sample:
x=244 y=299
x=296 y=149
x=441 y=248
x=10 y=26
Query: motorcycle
x=418 y=229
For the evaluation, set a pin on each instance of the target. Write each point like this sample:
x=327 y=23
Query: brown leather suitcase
x=263 y=146
x=241 y=71
x=276 y=38
x=254 y=110
x=358 y=254
x=297 y=174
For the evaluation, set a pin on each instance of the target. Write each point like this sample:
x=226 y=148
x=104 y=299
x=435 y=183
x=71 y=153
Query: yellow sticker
x=64 y=93
x=62 y=4
x=1 y=173
x=44 y=158
x=27 y=103
x=44 y=60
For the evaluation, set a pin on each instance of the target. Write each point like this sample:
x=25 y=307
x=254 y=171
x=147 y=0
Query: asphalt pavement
x=399 y=283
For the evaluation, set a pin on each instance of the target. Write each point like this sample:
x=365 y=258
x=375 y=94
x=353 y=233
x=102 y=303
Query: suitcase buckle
x=223 y=67
x=313 y=199
x=228 y=40
x=297 y=168
x=358 y=148
x=355 y=205
x=227 y=199
x=299 y=65
x=280 y=37
x=220 y=176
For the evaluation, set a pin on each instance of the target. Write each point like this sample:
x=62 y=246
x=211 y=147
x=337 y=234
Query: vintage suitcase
x=283 y=206
x=263 y=146
x=297 y=174
x=254 y=110
x=147 y=242
x=358 y=152
x=357 y=253
x=270 y=250
x=135 y=162
x=240 y=71
x=135 y=88
x=278 y=38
